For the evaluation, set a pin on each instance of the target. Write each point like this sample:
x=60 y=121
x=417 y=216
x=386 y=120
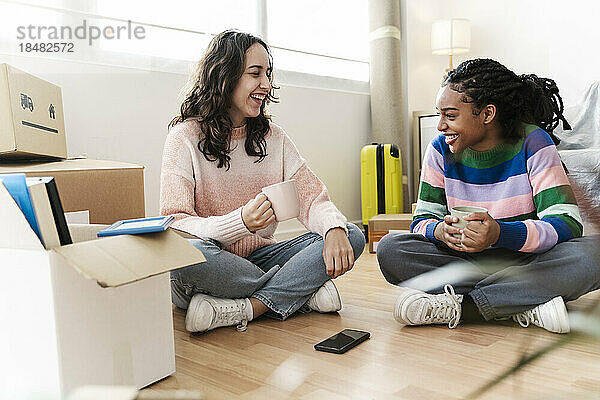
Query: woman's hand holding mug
x=257 y=214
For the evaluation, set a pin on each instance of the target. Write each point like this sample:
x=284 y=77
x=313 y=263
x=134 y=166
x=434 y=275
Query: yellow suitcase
x=380 y=181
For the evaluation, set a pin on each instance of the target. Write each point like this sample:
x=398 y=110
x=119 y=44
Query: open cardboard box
x=96 y=312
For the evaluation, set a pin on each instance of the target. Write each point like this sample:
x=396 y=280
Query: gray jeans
x=282 y=275
x=505 y=282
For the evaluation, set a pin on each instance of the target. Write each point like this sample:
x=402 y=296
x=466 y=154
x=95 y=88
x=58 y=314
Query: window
x=313 y=37
x=334 y=31
x=200 y=15
x=15 y=21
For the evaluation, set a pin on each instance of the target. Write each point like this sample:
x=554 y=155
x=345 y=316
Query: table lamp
x=450 y=37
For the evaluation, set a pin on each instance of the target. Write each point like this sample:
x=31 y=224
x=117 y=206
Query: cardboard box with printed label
x=381 y=224
x=32 y=122
x=110 y=190
x=96 y=312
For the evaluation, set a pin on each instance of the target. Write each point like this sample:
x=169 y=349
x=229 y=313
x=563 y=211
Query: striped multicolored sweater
x=524 y=187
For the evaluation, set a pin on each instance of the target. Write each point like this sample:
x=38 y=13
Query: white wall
x=121 y=114
x=554 y=39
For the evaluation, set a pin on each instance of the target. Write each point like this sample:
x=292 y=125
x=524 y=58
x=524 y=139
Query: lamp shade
x=451 y=36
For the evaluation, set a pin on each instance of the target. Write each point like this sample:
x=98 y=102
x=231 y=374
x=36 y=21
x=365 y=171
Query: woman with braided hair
x=496 y=150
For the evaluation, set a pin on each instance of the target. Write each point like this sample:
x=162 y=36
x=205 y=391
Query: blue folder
x=136 y=226
x=16 y=184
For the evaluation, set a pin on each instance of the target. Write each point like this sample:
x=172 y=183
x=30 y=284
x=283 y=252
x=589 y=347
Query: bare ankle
x=258 y=307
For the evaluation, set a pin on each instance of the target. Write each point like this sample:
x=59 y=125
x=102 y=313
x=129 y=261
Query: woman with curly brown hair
x=220 y=152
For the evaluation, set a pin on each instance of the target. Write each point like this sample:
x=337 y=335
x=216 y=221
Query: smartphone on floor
x=343 y=341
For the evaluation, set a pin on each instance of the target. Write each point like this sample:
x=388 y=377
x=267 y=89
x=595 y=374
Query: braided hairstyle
x=518 y=98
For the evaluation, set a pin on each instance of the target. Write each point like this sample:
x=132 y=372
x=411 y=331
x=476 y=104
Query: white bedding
x=584 y=172
x=580 y=148
x=584 y=119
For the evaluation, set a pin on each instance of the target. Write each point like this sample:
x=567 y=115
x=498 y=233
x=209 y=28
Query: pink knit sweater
x=207 y=201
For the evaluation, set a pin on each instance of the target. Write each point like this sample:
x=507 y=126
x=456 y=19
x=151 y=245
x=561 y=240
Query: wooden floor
x=276 y=360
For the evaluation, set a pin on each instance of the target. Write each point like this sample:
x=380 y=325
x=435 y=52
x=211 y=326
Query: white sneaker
x=207 y=312
x=551 y=316
x=414 y=307
x=326 y=299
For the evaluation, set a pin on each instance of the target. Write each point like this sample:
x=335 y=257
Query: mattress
x=580 y=151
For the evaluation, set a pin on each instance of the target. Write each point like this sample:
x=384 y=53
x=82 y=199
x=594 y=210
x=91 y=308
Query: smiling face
x=253 y=86
x=461 y=127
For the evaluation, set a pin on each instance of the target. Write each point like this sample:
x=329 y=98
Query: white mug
x=461 y=212
x=284 y=199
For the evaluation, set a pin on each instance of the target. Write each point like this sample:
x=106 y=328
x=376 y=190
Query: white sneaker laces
x=445 y=308
x=525 y=318
x=231 y=313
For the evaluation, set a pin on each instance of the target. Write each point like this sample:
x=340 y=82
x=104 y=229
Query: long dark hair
x=518 y=98
x=209 y=98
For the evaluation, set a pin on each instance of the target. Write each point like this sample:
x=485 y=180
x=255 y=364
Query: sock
x=249 y=310
x=470 y=312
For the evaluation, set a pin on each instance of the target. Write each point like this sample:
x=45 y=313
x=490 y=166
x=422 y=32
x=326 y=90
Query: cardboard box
x=110 y=190
x=381 y=224
x=96 y=312
x=32 y=122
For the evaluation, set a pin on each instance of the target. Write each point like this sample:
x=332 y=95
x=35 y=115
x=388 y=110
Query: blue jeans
x=282 y=275
x=504 y=282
